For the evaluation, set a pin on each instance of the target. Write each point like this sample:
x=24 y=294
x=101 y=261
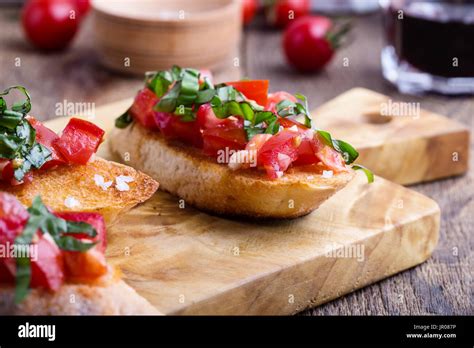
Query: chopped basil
x=123 y=120
x=368 y=172
x=292 y=110
x=345 y=149
x=18 y=137
x=41 y=219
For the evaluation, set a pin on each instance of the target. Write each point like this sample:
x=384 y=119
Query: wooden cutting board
x=413 y=145
x=188 y=262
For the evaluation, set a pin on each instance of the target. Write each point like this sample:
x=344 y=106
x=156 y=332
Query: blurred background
x=416 y=51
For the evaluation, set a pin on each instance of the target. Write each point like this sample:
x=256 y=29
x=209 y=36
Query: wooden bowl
x=135 y=36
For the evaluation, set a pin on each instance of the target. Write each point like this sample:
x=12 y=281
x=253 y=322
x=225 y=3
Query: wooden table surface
x=442 y=285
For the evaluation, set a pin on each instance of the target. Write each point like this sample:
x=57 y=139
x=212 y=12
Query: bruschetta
x=63 y=169
x=231 y=148
x=54 y=264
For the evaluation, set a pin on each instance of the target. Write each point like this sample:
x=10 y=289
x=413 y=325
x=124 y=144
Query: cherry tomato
x=249 y=9
x=306 y=43
x=79 y=141
x=253 y=89
x=280 y=13
x=275 y=98
x=48 y=138
x=50 y=24
x=230 y=136
x=83 y=7
x=94 y=219
x=142 y=108
x=47 y=270
x=279 y=152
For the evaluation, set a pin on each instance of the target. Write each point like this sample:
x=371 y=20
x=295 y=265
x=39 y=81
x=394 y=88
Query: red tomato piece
x=48 y=270
x=48 y=138
x=94 y=219
x=327 y=155
x=88 y=265
x=306 y=154
x=253 y=89
x=279 y=152
x=13 y=217
x=207 y=119
x=172 y=127
x=142 y=108
x=275 y=98
x=217 y=139
x=7 y=274
x=79 y=141
x=256 y=143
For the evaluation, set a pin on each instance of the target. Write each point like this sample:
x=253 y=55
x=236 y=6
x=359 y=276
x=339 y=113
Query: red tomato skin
x=79 y=141
x=48 y=138
x=279 y=14
x=94 y=219
x=285 y=143
x=249 y=9
x=172 y=127
x=222 y=138
x=305 y=44
x=50 y=25
x=48 y=270
x=142 y=108
x=6 y=276
x=83 y=7
x=253 y=89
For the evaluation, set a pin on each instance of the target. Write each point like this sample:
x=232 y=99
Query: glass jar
x=429 y=45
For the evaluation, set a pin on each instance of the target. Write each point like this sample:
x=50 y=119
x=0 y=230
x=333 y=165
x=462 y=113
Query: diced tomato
x=7 y=170
x=79 y=141
x=94 y=219
x=13 y=217
x=207 y=119
x=253 y=89
x=172 y=127
x=275 y=98
x=85 y=265
x=279 y=152
x=327 y=155
x=48 y=138
x=142 y=108
x=306 y=154
x=256 y=143
x=230 y=136
x=47 y=271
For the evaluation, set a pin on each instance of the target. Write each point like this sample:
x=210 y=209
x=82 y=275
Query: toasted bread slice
x=113 y=297
x=77 y=182
x=186 y=172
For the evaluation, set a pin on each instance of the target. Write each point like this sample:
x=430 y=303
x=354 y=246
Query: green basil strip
x=368 y=172
x=345 y=149
x=24 y=106
x=69 y=243
x=123 y=120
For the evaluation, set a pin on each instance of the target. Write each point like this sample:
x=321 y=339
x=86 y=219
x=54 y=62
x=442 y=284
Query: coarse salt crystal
x=122 y=182
x=71 y=202
x=99 y=181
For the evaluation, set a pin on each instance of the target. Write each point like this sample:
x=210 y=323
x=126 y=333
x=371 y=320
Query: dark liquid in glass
x=437 y=38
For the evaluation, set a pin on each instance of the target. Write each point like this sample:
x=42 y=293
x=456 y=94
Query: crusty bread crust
x=114 y=298
x=186 y=172
x=55 y=185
